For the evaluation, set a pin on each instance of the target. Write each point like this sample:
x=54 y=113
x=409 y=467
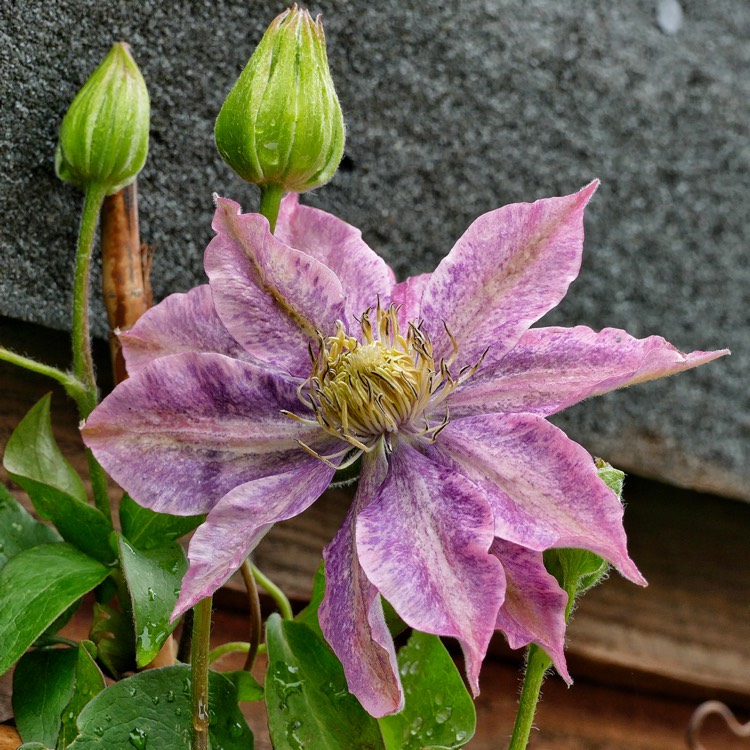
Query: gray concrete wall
x=452 y=109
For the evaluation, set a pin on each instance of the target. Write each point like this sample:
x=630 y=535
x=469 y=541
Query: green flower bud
x=104 y=134
x=281 y=123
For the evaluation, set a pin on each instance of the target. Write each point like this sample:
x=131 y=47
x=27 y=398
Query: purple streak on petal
x=351 y=613
x=510 y=267
x=241 y=519
x=423 y=541
x=270 y=297
x=543 y=487
x=552 y=368
x=534 y=606
x=187 y=429
x=408 y=294
x=364 y=275
x=181 y=323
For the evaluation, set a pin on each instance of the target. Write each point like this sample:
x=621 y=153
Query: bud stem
x=270 y=201
x=83 y=366
x=537 y=663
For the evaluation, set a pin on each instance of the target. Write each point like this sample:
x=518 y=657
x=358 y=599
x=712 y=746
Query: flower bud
x=104 y=134
x=281 y=123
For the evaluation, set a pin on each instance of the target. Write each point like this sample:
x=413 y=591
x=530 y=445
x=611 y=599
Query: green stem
x=199 y=664
x=255 y=618
x=73 y=387
x=83 y=365
x=537 y=664
x=285 y=608
x=270 y=201
x=233 y=647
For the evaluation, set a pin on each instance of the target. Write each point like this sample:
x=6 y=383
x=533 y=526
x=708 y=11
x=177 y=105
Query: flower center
x=370 y=389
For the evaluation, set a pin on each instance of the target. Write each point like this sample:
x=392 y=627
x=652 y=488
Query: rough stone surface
x=452 y=109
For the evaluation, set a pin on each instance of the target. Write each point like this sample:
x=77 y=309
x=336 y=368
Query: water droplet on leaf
x=138 y=739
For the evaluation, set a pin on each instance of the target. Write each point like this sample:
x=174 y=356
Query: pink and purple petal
x=534 y=606
x=351 y=614
x=510 y=267
x=553 y=368
x=186 y=429
x=272 y=299
x=423 y=541
x=542 y=486
x=238 y=522
x=180 y=323
x=364 y=275
x=408 y=296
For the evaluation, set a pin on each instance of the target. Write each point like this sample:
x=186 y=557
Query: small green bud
x=104 y=134
x=281 y=123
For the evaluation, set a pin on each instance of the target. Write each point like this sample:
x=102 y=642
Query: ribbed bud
x=281 y=123
x=104 y=134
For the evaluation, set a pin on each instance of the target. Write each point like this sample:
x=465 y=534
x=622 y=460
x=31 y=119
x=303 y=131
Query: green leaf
x=307 y=700
x=248 y=688
x=145 y=529
x=33 y=746
x=112 y=632
x=152 y=711
x=88 y=682
x=42 y=683
x=33 y=460
x=309 y=615
x=439 y=712
x=18 y=529
x=36 y=587
x=32 y=452
x=153 y=577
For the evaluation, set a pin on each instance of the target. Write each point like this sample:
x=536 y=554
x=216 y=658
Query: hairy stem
x=537 y=664
x=270 y=200
x=73 y=387
x=199 y=664
x=83 y=365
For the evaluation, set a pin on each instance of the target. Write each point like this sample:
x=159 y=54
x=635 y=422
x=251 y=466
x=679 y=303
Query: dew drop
x=151 y=594
x=460 y=736
x=155 y=700
x=235 y=729
x=443 y=715
x=98 y=731
x=2 y=547
x=170 y=696
x=178 y=711
x=414 y=667
x=138 y=739
x=108 y=717
x=132 y=691
x=293 y=669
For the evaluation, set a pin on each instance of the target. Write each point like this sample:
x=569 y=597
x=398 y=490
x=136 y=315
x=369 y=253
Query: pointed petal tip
x=588 y=191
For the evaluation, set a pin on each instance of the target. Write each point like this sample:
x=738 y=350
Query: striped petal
x=180 y=323
x=187 y=429
x=534 y=606
x=510 y=267
x=423 y=541
x=364 y=275
x=543 y=487
x=271 y=298
x=241 y=519
x=351 y=613
x=553 y=368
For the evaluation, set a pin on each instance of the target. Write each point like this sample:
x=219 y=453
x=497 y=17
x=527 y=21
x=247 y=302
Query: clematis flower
x=303 y=353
